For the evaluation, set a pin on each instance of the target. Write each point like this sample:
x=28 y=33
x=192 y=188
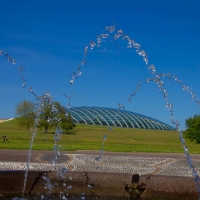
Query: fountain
x=158 y=79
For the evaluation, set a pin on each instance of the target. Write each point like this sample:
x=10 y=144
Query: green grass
x=85 y=137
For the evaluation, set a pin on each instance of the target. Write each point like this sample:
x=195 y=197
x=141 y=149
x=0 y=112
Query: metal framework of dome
x=112 y=117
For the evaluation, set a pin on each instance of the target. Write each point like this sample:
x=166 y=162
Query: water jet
x=156 y=78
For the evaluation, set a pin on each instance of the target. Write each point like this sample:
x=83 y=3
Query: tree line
x=193 y=128
x=26 y=114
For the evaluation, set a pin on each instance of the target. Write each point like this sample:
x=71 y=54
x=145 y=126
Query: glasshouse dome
x=115 y=118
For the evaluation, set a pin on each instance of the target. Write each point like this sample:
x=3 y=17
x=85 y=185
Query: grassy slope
x=85 y=137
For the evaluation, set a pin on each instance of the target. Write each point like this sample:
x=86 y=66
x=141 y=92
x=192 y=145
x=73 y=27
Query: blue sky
x=49 y=37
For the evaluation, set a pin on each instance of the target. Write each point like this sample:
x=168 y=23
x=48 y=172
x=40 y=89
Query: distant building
x=114 y=118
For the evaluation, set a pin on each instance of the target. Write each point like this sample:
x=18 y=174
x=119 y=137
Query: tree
x=193 y=128
x=47 y=116
x=67 y=123
x=25 y=112
x=49 y=119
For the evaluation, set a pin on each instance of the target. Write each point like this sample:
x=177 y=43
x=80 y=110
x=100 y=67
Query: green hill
x=85 y=137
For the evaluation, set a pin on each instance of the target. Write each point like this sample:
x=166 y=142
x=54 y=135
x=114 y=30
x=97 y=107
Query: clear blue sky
x=49 y=37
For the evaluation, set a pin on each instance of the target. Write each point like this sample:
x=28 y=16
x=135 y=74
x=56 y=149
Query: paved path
x=142 y=163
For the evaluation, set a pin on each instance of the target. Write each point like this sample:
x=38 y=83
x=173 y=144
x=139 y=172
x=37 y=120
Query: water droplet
x=20 y=68
x=137 y=46
x=104 y=36
x=68 y=96
x=116 y=36
x=126 y=37
x=6 y=54
x=13 y=61
x=129 y=99
x=186 y=149
x=146 y=60
x=9 y=58
x=71 y=81
x=85 y=51
x=83 y=62
x=79 y=73
x=92 y=45
x=69 y=187
x=68 y=105
x=111 y=29
x=53 y=162
x=30 y=89
x=70 y=178
x=64 y=197
x=120 y=32
x=97 y=158
x=89 y=186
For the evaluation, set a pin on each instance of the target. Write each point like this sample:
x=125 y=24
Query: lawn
x=85 y=137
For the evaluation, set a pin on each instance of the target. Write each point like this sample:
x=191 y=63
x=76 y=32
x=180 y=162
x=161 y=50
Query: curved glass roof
x=115 y=118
